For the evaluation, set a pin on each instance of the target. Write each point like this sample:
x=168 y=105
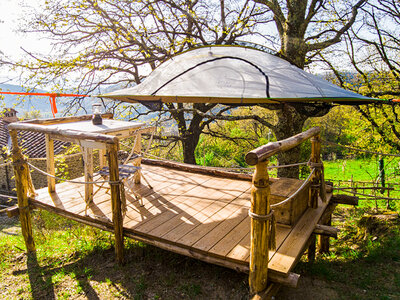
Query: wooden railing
x=23 y=180
x=260 y=211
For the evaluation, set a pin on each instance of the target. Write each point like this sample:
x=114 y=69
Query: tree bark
x=189 y=143
x=290 y=123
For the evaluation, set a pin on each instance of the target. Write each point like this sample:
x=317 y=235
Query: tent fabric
x=233 y=75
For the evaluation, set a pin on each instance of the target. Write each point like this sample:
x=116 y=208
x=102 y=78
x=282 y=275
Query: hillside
x=25 y=103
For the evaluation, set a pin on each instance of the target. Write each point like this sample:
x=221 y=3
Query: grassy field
x=363 y=172
x=74 y=261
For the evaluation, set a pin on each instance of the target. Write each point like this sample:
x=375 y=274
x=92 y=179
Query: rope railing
x=296 y=192
x=8 y=196
x=239 y=168
x=72 y=181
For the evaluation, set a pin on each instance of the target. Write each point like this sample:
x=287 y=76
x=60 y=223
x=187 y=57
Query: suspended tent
x=233 y=75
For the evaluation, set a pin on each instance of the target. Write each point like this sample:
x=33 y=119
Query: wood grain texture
x=116 y=202
x=24 y=186
x=262 y=153
x=193 y=214
x=260 y=230
x=51 y=182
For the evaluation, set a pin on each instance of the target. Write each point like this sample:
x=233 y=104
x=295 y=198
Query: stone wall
x=69 y=167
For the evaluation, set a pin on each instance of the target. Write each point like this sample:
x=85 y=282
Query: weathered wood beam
x=138 y=161
x=116 y=202
x=327 y=214
x=345 y=199
x=107 y=226
x=12 y=211
x=326 y=230
x=264 y=152
x=326 y=219
x=66 y=119
x=63 y=133
x=316 y=178
x=198 y=169
x=291 y=280
x=51 y=182
x=259 y=229
x=25 y=189
x=311 y=248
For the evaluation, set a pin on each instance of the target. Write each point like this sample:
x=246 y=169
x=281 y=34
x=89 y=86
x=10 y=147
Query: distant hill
x=41 y=103
x=25 y=103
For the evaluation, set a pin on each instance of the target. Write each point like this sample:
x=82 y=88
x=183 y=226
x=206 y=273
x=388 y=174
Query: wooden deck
x=196 y=215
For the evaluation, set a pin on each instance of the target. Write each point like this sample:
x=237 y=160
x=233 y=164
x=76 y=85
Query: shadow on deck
x=200 y=216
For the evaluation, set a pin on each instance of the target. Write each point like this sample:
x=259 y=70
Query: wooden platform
x=196 y=215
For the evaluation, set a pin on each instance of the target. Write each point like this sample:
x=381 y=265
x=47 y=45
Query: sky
x=11 y=41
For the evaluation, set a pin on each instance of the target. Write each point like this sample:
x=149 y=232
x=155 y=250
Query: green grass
x=366 y=170
x=74 y=260
x=364 y=266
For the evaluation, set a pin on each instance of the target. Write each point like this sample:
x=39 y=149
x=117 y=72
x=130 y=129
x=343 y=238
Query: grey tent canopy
x=233 y=75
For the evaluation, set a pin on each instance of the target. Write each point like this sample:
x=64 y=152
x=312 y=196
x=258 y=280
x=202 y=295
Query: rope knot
x=272 y=226
x=315 y=165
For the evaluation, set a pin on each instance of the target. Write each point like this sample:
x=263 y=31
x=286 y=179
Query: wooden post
x=102 y=158
x=312 y=248
x=138 y=162
x=25 y=189
x=112 y=150
x=326 y=219
x=51 y=182
x=260 y=205
x=315 y=181
x=88 y=170
x=323 y=243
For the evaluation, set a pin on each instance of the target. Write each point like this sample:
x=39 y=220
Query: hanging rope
x=72 y=181
x=272 y=226
x=296 y=192
x=235 y=169
x=8 y=196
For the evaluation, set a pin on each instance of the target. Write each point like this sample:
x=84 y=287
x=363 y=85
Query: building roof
x=32 y=143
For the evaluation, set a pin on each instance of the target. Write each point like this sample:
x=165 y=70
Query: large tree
x=117 y=42
x=305 y=28
x=371 y=52
x=109 y=42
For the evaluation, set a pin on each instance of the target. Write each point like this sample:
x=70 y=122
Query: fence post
x=25 y=189
x=316 y=180
x=112 y=150
x=259 y=239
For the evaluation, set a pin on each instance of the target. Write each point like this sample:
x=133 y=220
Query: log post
x=138 y=161
x=326 y=219
x=259 y=243
x=112 y=150
x=25 y=189
x=102 y=158
x=312 y=248
x=316 y=162
x=88 y=170
x=51 y=182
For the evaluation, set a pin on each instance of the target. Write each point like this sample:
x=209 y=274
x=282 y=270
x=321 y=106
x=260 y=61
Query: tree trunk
x=290 y=123
x=189 y=144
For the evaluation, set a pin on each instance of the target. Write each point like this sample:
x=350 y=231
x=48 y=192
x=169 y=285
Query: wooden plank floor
x=193 y=214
